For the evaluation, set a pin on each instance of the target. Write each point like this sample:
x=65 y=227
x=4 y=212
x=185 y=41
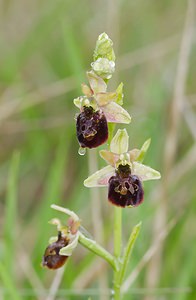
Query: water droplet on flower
x=82 y=151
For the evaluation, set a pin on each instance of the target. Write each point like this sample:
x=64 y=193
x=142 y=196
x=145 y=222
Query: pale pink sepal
x=116 y=114
x=109 y=157
x=100 y=178
x=144 y=172
x=97 y=84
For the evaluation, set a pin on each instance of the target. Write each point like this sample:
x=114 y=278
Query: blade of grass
x=10 y=213
x=8 y=283
x=73 y=52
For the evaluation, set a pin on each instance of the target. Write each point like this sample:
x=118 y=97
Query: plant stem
x=98 y=250
x=117 y=247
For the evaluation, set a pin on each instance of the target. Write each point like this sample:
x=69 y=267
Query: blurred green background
x=45 y=49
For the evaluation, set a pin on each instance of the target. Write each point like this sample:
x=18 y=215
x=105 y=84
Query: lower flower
x=62 y=246
x=125 y=189
x=92 y=128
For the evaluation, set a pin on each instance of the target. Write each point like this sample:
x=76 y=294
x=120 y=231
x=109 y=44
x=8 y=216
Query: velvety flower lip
x=91 y=128
x=125 y=188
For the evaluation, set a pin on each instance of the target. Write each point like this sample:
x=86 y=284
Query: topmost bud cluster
x=104 y=58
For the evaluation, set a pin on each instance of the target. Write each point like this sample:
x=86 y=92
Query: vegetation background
x=45 y=49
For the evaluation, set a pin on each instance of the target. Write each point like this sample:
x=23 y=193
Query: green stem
x=117 y=247
x=98 y=250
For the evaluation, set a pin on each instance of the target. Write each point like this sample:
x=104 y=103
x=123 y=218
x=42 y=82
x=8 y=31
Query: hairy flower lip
x=91 y=128
x=125 y=191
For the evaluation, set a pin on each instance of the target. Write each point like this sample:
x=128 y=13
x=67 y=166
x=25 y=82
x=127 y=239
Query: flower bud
x=103 y=67
x=104 y=48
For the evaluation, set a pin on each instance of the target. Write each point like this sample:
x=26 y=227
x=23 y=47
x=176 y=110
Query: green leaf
x=128 y=251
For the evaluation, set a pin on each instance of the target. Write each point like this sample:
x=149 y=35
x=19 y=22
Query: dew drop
x=82 y=151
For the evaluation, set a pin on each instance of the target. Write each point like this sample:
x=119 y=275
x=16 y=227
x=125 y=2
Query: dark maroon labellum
x=125 y=189
x=92 y=128
x=52 y=259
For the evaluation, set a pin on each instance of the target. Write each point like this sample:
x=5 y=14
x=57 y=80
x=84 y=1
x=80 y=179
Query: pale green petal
x=144 y=172
x=100 y=178
x=86 y=90
x=120 y=95
x=105 y=98
x=77 y=102
x=109 y=157
x=116 y=114
x=133 y=154
x=53 y=239
x=97 y=84
x=143 y=150
x=68 y=250
x=120 y=142
x=66 y=211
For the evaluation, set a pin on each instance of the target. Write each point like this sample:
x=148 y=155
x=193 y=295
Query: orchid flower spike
x=125 y=172
x=97 y=106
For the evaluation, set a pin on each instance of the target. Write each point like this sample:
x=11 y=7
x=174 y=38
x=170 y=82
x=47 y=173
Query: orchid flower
x=61 y=246
x=125 y=173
